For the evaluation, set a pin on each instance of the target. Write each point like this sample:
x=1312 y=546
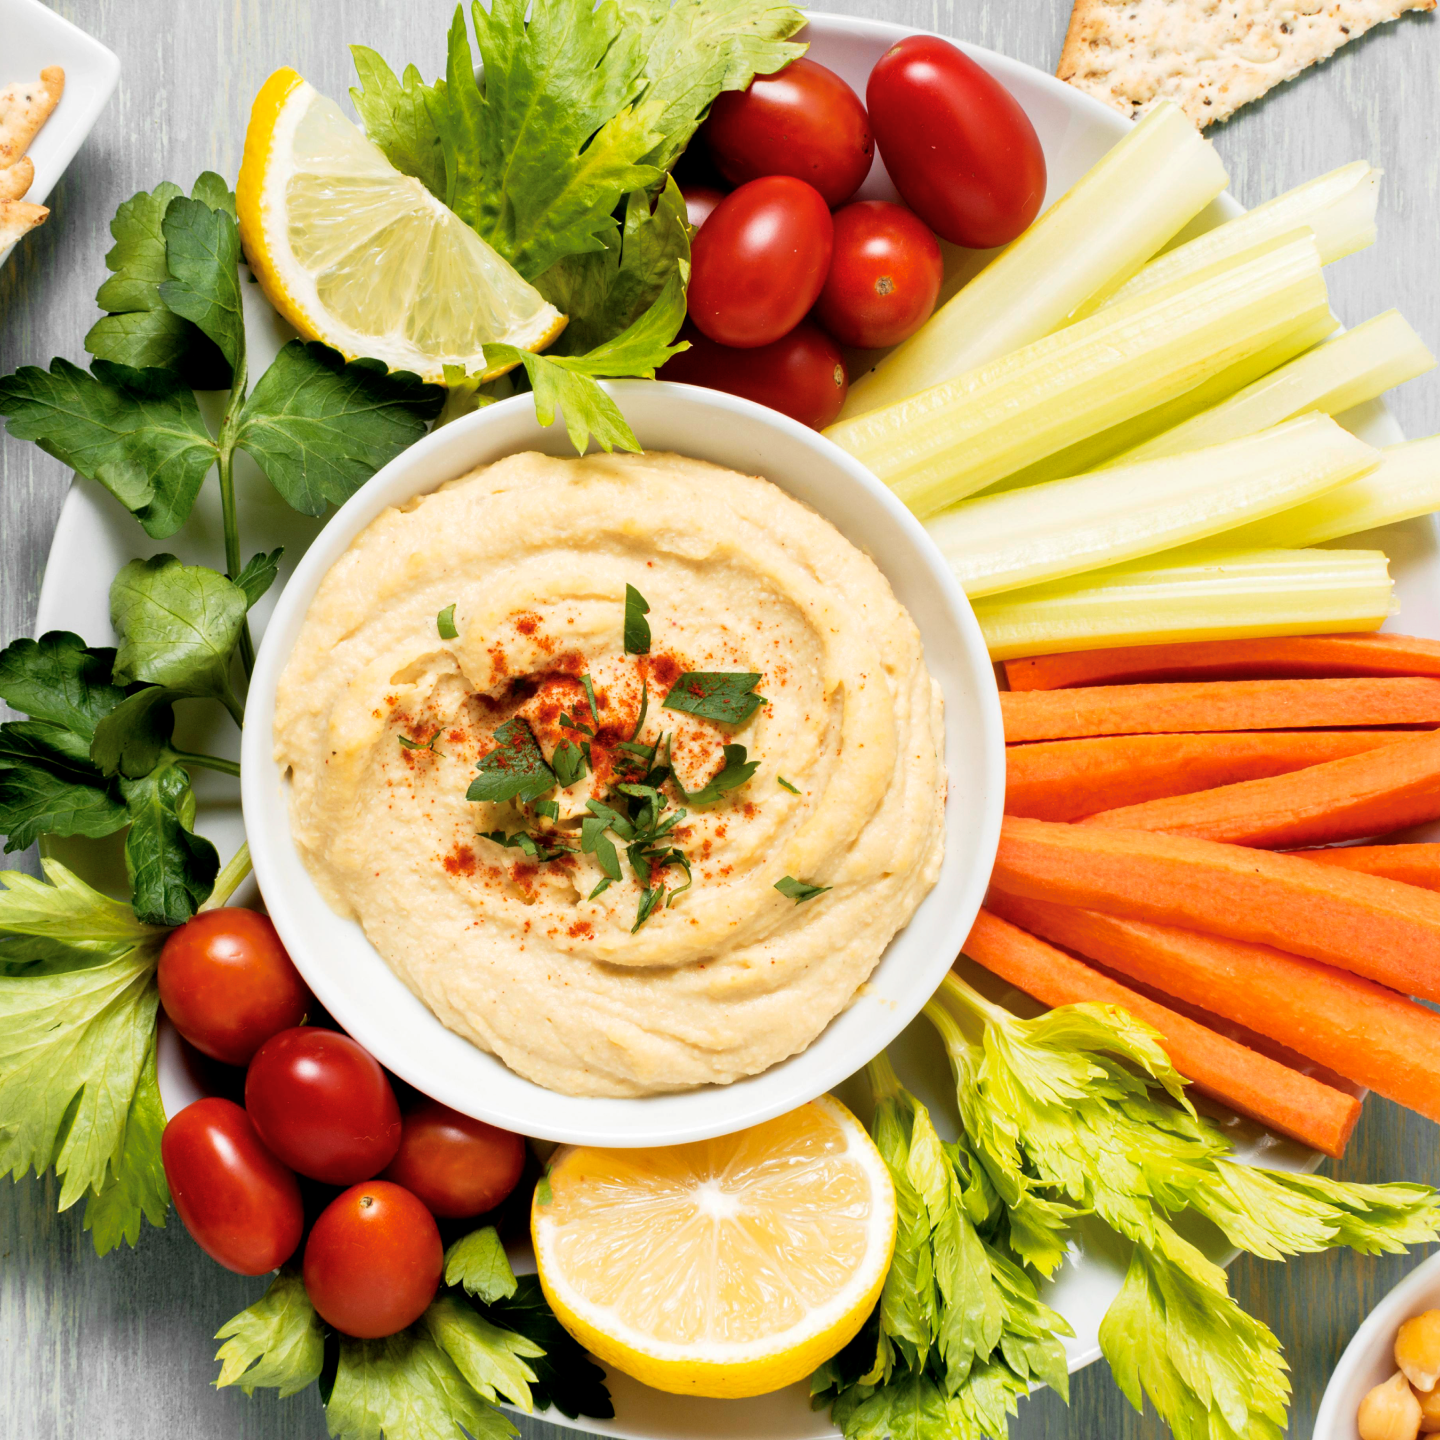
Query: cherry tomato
x=759 y=261
x=373 y=1260
x=228 y=984
x=456 y=1165
x=962 y=153
x=700 y=202
x=323 y=1105
x=884 y=276
x=803 y=121
x=241 y=1206
x=802 y=374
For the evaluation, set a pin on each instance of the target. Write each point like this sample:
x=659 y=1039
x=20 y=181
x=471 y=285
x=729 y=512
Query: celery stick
x=1406 y=484
x=1106 y=445
x=1065 y=527
x=1095 y=237
x=1338 y=207
x=1225 y=595
x=1353 y=367
x=959 y=436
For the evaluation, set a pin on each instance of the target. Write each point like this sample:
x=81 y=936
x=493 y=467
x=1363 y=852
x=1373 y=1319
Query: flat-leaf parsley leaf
x=725 y=696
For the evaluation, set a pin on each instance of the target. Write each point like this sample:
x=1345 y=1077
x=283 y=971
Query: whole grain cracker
x=16 y=180
x=17 y=218
x=1209 y=56
x=24 y=107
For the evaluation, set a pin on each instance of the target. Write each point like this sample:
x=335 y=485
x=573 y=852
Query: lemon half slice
x=354 y=253
x=726 y=1267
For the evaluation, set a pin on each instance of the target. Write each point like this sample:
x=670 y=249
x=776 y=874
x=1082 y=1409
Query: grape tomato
x=759 y=261
x=802 y=374
x=803 y=121
x=885 y=275
x=457 y=1166
x=228 y=984
x=700 y=202
x=373 y=1260
x=961 y=151
x=323 y=1105
x=239 y=1203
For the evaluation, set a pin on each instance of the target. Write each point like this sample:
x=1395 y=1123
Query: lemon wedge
x=726 y=1267
x=354 y=253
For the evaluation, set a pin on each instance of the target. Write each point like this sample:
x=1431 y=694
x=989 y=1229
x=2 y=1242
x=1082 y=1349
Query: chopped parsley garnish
x=445 y=623
x=735 y=772
x=537 y=846
x=637 y=628
x=515 y=769
x=798 y=890
x=589 y=687
x=568 y=763
x=726 y=696
x=784 y=784
x=406 y=743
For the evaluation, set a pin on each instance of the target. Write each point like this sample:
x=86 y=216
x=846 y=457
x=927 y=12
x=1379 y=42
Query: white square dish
x=35 y=36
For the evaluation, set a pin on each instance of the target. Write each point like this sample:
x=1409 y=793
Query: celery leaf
x=278 y=1343
x=479 y=1263
x=491 y=1359
x=397 y=118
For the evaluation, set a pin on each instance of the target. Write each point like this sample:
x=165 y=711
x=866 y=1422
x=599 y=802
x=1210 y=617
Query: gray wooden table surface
x=121 y=1347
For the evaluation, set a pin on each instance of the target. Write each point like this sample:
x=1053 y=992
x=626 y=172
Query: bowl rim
x=1402 y=1300
x=568 y=1118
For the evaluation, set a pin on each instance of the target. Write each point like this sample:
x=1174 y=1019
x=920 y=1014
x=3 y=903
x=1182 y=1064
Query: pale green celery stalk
x=960 y=436
x=1222 y=595
x=1092 y=239
x=1353 y=367
x=1339 y=208
x=1066 y=527
x=1098 y=449
x=1406 y=484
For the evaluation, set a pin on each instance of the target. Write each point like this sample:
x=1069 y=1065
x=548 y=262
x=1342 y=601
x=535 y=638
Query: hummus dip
x=382 y=722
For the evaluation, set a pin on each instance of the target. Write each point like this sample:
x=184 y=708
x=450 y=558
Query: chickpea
x=1429 y=1411
x=1417 y=1349
x=1390 y=1411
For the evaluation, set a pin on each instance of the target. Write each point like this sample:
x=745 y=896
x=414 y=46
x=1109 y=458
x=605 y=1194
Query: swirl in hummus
x=535 y=554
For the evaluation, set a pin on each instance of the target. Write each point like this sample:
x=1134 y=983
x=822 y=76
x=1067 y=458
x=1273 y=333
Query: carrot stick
x=1358 y=1029
x=1368 y=794
x=1414 y=864
x=1253 y=1084
x=1370 y=926
x=1295 y=656
x=1065 y=779
x=1217 y=705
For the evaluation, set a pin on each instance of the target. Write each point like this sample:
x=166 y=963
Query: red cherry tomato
x=802 y=374
x=962 y=153
x=456 y=1165
x=700 y=202
x=373 y=1260
x=884 y=276
x=241 y=1206
x=759 y=261
x=323 y=1105
x=228 y=984
x=803 y=121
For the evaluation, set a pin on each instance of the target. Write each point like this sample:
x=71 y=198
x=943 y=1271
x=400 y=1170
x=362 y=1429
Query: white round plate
x=359 y=989
x=95 y=537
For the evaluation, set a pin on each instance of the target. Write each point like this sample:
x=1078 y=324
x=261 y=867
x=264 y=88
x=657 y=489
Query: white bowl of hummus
x=631 y=799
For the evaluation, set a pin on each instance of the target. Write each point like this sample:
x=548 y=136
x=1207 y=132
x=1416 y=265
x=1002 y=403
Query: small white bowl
x=1369 y=1358
x=354 y=983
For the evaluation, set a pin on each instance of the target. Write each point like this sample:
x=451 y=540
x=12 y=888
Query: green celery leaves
x=397 y=118
x=278 y=1343
x=77 y=1058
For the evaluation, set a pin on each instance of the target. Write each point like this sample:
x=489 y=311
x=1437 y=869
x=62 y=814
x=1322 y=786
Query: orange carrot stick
x=1370 y=926
x=1414 y=864
x=1065 y=779
x=1217 y=705
x=1253 y=1084
x=1295 y=656
x=1356 y=1028
x=1368 y=794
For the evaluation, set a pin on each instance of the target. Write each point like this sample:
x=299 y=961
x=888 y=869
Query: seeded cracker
x=24 y=107
x=15 y=181
x=1209 y=56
